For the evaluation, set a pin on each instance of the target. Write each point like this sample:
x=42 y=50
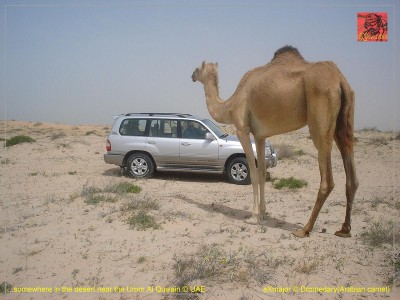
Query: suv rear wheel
x=238 y=171
x=140 y=165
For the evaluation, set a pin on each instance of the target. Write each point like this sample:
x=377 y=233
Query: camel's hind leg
x=326 y=186
x=322 y=113
x=351 y=183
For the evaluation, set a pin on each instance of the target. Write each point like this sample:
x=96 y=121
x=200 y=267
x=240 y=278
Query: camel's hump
x=287 y=49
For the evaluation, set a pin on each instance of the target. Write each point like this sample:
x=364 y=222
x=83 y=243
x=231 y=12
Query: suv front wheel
x=140 y=165
x=238 y=171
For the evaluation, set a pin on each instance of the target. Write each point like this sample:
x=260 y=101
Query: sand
x=54 y=245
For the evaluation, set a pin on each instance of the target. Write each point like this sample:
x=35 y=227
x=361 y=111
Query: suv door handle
x=152 y=142
x=186 y=144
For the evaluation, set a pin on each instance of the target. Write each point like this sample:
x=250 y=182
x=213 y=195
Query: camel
x=284 y=95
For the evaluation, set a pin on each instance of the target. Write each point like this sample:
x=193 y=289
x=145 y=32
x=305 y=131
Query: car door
x=195 y=151
x=163 y=142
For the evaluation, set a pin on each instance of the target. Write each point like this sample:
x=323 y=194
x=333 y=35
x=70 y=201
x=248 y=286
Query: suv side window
x=193 y=130
x=164 y=128
x=133 y=127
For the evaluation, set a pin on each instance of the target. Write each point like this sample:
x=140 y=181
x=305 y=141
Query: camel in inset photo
x=284 y=95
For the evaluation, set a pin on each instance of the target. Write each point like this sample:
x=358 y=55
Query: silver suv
x=145 y=142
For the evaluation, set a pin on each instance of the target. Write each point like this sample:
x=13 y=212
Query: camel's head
x=203 y=72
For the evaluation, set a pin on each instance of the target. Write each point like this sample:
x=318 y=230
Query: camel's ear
x=216 y=65
x=203 y=64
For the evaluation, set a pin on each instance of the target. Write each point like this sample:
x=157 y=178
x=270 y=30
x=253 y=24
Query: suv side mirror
x=209 y=137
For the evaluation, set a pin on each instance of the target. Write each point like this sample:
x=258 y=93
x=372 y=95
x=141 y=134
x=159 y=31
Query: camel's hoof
x=251 y=221
x=343 y=234
x=301 y=233
x=255 y=220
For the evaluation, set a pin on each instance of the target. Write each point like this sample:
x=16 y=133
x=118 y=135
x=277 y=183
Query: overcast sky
x=81 y=62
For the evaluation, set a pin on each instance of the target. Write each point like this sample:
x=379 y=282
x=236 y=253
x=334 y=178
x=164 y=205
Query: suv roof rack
x=161 y=114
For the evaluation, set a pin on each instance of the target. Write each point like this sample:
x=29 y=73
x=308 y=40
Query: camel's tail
x=345 y=119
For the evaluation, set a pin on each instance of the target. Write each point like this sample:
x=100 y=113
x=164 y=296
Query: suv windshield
x=214 y=128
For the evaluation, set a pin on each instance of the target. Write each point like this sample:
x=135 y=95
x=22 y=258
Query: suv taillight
x=108 y=146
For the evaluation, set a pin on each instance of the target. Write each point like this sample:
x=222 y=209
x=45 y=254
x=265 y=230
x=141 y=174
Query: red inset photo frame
x=372 y=27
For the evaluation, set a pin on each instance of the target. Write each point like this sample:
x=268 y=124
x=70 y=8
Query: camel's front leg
x=244 y=138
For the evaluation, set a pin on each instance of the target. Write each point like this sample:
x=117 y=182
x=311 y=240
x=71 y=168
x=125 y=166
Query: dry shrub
x=287 y=152
x=284 y=151
x=58 y=135
x=381 y=232
x=212 y=264
x=378 y=141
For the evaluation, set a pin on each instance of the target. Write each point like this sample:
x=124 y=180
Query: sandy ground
x=52 y=240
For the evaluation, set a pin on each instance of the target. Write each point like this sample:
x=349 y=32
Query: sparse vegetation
x=145 y=204
x=143 y=221
x=208 y=262
x=122 y=188
x=5 y=288
x=287 y=152
x=87 y=191
x=290 y=183
x=369 y=129
x=380 y=233
x=211 y=262
x=19 y=139
x=94 y=199
x=141 y=259
x=299 y=152
x=378 y=141
x=58 y=135
x=91 y=132
x=284 y=151
x=74 y=273
x=137 y=207
x=94 y=195
x=375 y=202
x=307 y=265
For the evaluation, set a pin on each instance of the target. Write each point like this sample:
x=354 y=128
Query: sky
x=82 y=62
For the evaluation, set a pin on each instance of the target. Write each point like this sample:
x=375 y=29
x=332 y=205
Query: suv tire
x=140 y=165
x=238 y=171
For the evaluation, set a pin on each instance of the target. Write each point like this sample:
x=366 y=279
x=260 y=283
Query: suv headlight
x=268 y=151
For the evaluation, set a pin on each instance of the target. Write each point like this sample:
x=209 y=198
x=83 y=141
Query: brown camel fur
x=287 y=94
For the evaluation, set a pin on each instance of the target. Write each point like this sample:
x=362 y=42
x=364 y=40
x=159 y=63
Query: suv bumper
x=271 y=161
x=114 y=159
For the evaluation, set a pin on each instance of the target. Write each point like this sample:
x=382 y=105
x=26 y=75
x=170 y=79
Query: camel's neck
x=219 y=109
